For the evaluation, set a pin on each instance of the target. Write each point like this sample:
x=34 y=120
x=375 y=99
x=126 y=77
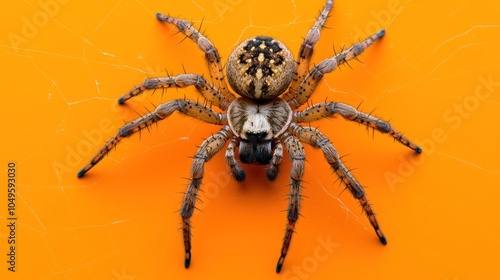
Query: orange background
x=436 y=76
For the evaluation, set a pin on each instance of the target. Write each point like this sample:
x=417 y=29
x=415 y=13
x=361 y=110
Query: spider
x=264 y=120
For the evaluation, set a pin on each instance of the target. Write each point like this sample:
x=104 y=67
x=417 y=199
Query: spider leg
x=238 y=173
x=297 y=155
x=307 y=48
x=316 y=139
x=329 y=109
x=312 y=79
x=187 y=107
x=272 y=170
x=205 y=88
x=207 y=149
x=211 y=54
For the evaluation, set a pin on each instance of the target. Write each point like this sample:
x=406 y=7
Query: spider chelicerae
x=264 y=120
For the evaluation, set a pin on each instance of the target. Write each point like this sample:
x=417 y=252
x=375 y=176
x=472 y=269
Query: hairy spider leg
x=307 y=48
x=297 y=155
x=187 y=107
x=238 y=173
x=272 y=170
x=207 y=149
x=211 y=54
x=316 y=139
x=205 y=88
x=312 y=79
x=329 y=109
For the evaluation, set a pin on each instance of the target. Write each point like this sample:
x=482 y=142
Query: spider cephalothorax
x=265 y=121
x=257 y=124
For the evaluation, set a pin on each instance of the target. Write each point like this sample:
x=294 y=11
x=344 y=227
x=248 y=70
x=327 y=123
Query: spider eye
x=256 y=136
x=260 y=68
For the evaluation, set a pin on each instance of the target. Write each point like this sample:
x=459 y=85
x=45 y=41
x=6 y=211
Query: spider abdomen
x=260 y=68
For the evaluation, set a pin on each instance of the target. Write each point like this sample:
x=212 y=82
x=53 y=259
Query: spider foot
x=279 y=265
x=272 y=172
x=410 y=144
x=134 y=92
x=148 y=84
x=162 y=17
x=239 y=174
x=187 y=259
x=121 y=100
x=82 y=172
x=381 y=237
x=383 y=240
x=381 y=33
